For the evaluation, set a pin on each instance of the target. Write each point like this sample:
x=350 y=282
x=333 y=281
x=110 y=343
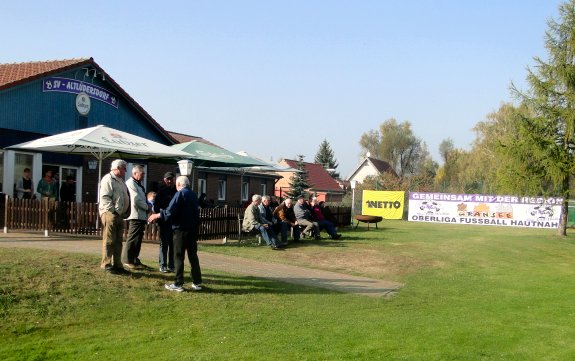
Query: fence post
x=6 y=213
x=46 y=205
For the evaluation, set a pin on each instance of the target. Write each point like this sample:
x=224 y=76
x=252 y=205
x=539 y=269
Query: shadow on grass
x=233 y=285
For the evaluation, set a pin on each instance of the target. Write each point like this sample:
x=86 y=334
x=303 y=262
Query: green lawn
x=471 y=293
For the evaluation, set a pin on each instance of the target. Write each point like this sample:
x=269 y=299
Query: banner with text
x=388 y=205
x=65 y=85
x=490 y=210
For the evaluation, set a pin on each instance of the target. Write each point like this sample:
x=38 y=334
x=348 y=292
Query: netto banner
x=388 y=205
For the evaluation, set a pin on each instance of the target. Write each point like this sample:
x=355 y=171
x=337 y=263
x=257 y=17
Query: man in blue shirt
x=183 y=212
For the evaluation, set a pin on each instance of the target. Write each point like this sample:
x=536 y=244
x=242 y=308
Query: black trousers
x=186 y=240
x=133 y=245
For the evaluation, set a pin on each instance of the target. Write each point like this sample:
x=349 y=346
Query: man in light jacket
x=114 y=206
x=136 y=220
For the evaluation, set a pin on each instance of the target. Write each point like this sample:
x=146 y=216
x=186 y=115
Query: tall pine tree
x=299 y=181
x=326 y=158
x=547 y=139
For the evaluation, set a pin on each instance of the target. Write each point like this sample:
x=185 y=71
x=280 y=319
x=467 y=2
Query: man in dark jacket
x=285 y=214
x=163 y=199
x=183 y=211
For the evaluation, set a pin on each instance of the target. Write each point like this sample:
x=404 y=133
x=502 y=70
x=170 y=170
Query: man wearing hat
x=303 y=216
x=165 y=194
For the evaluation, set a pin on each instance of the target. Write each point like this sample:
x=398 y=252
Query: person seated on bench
x=284 y=213
x=267 y=214
x=252 y=221
x=303 y=217
x=318 y=216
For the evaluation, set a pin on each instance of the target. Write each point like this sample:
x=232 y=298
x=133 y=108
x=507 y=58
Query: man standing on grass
x=162 y=200
x=183 y=211
x=136 y=220
x=113 y=208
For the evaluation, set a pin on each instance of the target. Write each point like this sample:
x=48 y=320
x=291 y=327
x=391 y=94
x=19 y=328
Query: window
x=22 y=161
x=222 y=190
x=201 y=186
x=245 y=190
x=264 y=189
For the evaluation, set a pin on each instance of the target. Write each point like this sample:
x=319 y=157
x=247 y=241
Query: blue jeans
x=166 y=258
x=268 y=235
x=328 y=226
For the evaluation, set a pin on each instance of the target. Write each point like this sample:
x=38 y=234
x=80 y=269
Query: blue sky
x=276 y=78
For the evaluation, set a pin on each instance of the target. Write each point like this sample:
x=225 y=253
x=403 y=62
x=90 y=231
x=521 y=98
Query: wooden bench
x=367 y=219
x=241 y=232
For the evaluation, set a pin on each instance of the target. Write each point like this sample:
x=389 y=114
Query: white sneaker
x=196 y=287
x=173 y=287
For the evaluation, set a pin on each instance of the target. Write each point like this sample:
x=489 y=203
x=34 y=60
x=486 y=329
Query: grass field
x=471 y=293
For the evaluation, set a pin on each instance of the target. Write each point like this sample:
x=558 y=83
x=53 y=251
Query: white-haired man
x=252 y=220
x=114 y=206
x=136 y=220
x=184 y=212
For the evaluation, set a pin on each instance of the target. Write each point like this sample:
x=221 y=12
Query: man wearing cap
x=163 y=199
x=303 y=216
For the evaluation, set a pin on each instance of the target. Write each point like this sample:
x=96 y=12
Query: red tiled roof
x=318 y=177
x=18 y=73
x=15 y=73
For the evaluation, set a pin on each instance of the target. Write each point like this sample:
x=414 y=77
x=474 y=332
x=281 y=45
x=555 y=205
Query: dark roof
x=19 y=73
x=183 y=138
x=318 y=177
x=381 y=166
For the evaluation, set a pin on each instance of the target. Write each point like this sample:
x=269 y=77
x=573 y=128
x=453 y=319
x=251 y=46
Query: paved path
x=235 y=265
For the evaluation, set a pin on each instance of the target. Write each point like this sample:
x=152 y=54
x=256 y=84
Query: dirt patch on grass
x=368 y=263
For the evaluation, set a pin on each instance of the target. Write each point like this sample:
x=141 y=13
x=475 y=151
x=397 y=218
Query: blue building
x=38 y=99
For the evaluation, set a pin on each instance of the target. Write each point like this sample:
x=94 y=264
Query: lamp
x=352 y=184
x=92 y=165
x=185 y=166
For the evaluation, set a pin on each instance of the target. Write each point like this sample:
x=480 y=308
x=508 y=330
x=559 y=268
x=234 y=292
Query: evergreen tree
x=547 y=139
x=299 y=181
x=325 y=157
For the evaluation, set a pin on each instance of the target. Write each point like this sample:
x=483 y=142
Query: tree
x=325 y=157
x=299 y=181
x=548 y=137
x=499 y=154
x=396 y=144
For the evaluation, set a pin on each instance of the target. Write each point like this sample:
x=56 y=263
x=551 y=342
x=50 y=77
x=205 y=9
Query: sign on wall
x=388 y=205
x=65 y=85
x=489 y=210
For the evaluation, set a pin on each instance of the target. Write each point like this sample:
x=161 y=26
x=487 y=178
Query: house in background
x=321 y=183
x=39 y=99
x=228 y=186
x=370 y=167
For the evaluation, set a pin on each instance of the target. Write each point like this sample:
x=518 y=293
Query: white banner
x=489 y=210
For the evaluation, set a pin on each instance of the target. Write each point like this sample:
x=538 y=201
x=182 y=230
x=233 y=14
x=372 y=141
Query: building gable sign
x=65 y=85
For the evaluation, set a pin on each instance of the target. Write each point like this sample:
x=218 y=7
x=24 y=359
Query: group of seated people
x=302 y=218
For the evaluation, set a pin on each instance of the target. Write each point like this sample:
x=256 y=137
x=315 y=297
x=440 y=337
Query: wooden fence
x=83 y=218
